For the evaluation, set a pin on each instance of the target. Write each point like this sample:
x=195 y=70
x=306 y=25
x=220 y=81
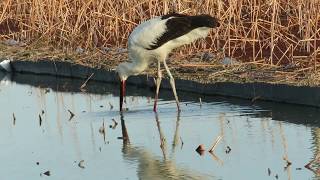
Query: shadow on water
x=277 y=111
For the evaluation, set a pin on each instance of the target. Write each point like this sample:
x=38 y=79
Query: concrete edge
x=302 y=95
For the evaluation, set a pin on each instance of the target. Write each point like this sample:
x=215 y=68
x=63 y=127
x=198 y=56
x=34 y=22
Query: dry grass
x=274 y=32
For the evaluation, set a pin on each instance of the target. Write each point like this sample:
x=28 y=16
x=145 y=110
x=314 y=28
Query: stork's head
x=123 y=72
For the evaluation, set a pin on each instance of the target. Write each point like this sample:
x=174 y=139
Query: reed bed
x=276 y=31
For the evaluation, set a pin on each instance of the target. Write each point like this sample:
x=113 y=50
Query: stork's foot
x=155 y=106
x=178 y=107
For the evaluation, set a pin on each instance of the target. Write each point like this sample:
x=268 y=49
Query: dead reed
x=280 y=32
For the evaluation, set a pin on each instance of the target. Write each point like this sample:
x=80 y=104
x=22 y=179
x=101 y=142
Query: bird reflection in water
x=125 y=136
x=150 y=166
x=163 y=141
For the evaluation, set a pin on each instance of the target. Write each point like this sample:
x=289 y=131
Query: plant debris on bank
x=197 y=67
x=273 y=41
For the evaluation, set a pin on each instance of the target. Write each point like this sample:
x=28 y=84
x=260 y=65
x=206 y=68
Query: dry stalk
x=215 y=143
x=85 y=83
x=250 y=30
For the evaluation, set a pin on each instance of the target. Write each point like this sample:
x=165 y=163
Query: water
x=145 y=145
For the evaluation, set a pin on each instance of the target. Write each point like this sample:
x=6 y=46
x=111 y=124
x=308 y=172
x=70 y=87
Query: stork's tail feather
x=205 y=20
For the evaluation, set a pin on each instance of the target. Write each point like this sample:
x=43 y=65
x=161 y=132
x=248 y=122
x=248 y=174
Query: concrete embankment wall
x=302 y=95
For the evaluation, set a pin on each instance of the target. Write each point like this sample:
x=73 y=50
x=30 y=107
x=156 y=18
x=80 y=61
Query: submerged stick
x=254 y=99
x=71 y=114
x=215 y=143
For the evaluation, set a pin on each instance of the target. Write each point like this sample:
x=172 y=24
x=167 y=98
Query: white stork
x=154 y=39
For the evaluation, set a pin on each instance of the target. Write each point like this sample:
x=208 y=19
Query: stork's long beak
x=122 y=92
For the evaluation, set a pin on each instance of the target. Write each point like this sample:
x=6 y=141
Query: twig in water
x=40 y=120
x=81 y=164
x=85 y=83
x=14 y=119
x=111 y=106
x=215 y=143
x=228 y=150
x=254 y=99
x=47 y=173
x=216 y=158
x=181 y=142
x=288 y=162
x=71 y=114
x=201 y=149
x=114 y=124
x=102 y=130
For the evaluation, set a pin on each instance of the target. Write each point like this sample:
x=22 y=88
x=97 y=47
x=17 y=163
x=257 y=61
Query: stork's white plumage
x=155 y=38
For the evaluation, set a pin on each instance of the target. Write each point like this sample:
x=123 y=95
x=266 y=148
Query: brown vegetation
x=274 y=32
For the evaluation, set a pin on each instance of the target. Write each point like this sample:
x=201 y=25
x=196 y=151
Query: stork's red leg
x=122 y=92
x=173 y=86
x=158 y=82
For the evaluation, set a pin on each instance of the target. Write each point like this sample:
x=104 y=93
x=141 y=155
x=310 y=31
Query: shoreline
x=301 y=95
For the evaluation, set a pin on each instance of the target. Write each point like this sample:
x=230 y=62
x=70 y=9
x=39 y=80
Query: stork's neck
x=127 y=69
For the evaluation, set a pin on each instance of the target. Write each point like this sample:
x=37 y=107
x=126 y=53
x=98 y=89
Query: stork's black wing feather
x=179 y=25
x=175 y=27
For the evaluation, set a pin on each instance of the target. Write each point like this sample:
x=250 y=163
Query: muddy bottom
x=49 y=128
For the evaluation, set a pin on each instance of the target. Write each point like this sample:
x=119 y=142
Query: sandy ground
x=203 y=67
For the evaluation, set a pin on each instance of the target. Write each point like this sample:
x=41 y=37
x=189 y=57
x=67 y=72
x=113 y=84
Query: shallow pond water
x=37 y=134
